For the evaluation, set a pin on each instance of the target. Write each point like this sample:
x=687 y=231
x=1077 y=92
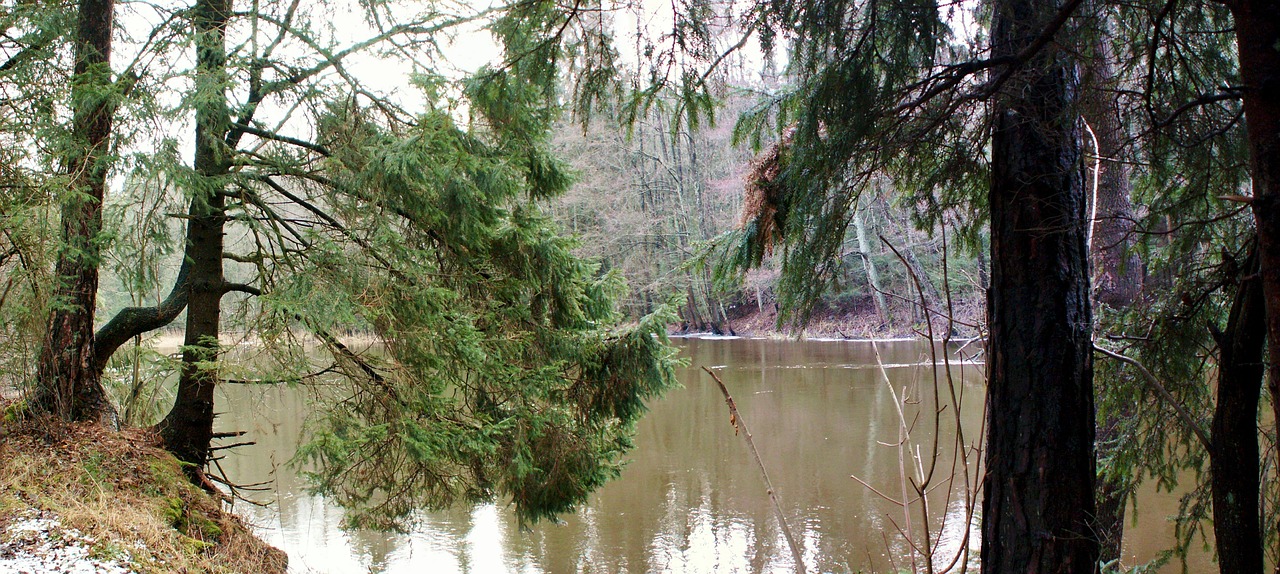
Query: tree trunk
x=131 y=322
x=984 y=266
x=873 y=278
x=1118 y=272
x=1118 y=277
x=188 y=428
x=66 y=382
x=1234 y=464
x=1257 y=35
x=929 y=300
x=1038 y=505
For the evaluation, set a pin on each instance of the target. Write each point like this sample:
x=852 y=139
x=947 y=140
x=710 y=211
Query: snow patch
x=38 y=543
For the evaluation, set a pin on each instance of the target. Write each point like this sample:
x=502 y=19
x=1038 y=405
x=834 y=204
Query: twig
x=737 y=421
x=231 y=446
x=204 y=481
x=904 y=439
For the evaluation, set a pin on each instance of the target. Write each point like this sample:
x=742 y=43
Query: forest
x=515 y=205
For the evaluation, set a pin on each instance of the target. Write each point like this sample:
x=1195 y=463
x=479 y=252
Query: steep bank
x=80 y=498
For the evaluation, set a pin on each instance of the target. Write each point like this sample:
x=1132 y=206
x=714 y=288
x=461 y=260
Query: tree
x=1039 y=499
x=25 y=177
x=66 y=382
x=506 y=372
x=880 y=89
x=648 y=195
x=1234 y=462
x=1257 y=24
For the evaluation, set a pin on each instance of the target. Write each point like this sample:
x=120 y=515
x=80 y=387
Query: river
x=825 y=417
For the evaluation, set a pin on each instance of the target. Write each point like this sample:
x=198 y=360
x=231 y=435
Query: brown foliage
x=764 y=203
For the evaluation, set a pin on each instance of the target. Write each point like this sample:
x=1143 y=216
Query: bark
x=1234 y=464
x=1118 y=275
x=66 y=383
x=188 y=428
x=1257 y=37
x=931 y=306
x=1038 y=502
x=1118 y=271
x=984 y=269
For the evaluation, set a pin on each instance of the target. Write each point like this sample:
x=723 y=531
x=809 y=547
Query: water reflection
x=691 y=500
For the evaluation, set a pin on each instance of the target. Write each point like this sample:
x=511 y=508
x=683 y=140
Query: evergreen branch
x=1204 y=100
x=1164 y=394
x=721 y=58
x=571 y=15
x=285 y=381
x=256 y=93
x=362 y=196
x=952 y=75
x=130 y=74
x=288 y=19
x=329 y=59
x=342 y=350
x=1152 y=57
x=334 y=223
x=252 y=197
x=23 y=55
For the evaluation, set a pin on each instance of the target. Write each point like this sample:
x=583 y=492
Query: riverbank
x=859 y=322
x=81 y=498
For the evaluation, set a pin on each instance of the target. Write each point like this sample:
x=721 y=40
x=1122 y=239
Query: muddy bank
x=859 y=321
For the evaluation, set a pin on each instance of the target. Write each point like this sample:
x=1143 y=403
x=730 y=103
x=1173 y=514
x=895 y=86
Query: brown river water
x=692 y=499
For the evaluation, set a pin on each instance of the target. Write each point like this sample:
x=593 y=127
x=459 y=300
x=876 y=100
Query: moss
x=193 y=523
x=13 y=411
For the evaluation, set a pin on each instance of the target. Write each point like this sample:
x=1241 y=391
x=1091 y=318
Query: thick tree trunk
x=1257 y=37
x=1038 y=504
x=1234 y=464
x=1118 y=276
x=66 y=382
x=188 y=428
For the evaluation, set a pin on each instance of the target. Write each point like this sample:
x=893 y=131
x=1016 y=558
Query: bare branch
x=738 y=422
x=1164 y=394
x=264 y=134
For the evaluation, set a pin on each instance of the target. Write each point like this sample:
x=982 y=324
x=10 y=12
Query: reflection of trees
x=690 y=493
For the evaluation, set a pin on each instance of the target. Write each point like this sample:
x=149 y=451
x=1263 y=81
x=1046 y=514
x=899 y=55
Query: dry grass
x=124 y=493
